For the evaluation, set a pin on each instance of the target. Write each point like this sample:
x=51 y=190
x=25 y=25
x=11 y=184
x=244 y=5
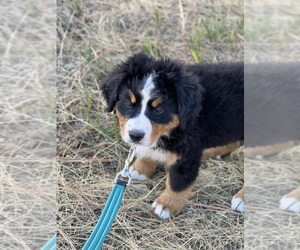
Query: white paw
x=135 y=175
x=218 y=157
x=160 y=211
x=237 y=204
x=290 y=204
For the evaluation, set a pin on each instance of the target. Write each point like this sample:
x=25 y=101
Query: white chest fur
x=158 y=155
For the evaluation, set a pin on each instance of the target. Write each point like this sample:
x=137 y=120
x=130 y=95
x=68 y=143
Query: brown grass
x=266 y=182
x=27 y=124
x=93 y=37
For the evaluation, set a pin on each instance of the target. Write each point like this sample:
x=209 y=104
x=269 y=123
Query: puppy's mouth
x=151 y=146
x=141 y=143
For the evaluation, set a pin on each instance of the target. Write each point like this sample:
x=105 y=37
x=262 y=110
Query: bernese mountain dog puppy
x=172 y=112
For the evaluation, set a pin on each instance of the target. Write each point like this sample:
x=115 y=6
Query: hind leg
x=237 y=202
x=217 y=152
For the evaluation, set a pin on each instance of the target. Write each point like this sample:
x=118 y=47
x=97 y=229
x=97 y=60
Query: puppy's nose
x=136 y=135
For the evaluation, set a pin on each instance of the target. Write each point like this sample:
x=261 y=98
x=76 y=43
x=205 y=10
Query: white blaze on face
x=141 y=123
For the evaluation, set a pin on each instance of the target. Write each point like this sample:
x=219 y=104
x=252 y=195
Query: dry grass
x=93 y=37
x=267 y=227
x=271 y=31
x=27 y=124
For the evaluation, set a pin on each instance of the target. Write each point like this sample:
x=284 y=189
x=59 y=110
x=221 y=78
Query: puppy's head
x=151 y=97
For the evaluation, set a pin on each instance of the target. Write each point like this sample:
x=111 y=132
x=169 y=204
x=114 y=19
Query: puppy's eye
x=128 y=104
x=159 y=110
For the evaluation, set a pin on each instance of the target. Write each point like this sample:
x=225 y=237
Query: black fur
x=209 y=100
x=272 y=103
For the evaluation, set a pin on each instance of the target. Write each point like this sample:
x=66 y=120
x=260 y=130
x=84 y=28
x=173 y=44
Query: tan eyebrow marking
x=156 y=102
x=132 y=97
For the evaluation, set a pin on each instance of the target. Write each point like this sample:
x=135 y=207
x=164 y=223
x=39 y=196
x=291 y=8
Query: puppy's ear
x=189 y=97
x=188 y=91
x=111 y=86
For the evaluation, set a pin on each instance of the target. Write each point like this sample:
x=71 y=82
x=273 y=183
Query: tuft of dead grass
x=92 y=38
x=266 y=181
x=27 y=124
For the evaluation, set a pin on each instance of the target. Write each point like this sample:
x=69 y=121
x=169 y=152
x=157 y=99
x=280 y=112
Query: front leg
x=170 y=201
x=142 y=169
x=178 y=188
